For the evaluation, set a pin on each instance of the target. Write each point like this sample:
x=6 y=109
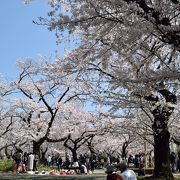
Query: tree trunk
x=124 y=150
x=91 y=148
x=161 y=150
x=74 y=154
x=43 y=154
x=36 y=147
x=162 y=112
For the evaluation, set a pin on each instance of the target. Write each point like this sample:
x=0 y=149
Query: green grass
x=11 y=176
x=6 y=165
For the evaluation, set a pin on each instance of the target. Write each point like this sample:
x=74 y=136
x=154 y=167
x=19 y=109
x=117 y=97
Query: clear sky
x=19 y=37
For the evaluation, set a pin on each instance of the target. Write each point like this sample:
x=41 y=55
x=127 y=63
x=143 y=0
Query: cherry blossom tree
x=125 y=131
x=129 y=51
x=7 y=115
x=42 y=98
x=80 y=127
x=134 y=48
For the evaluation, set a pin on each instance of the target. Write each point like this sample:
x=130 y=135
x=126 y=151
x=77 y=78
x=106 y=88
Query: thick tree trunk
x=161 y=155
x=161 y=150
x=43 y=155
x=37 y=150
x=162 y=112
x=36 y=147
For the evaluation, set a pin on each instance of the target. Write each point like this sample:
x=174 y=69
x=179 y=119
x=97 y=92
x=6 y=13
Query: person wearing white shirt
x=49 y=160
x=127 y=174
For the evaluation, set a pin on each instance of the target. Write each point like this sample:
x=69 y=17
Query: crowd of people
x=84 y=164
x=88 y=163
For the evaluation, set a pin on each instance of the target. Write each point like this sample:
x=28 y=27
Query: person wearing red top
x=111 y=174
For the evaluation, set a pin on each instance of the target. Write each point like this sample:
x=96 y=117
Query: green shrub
x=42 y=167
x=6 y=165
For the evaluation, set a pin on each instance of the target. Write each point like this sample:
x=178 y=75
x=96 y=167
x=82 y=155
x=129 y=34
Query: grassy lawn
x=9 y=175
x=7 y=166
x=4 y=176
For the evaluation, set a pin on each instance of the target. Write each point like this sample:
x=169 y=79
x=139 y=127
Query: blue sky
x=19 y=37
